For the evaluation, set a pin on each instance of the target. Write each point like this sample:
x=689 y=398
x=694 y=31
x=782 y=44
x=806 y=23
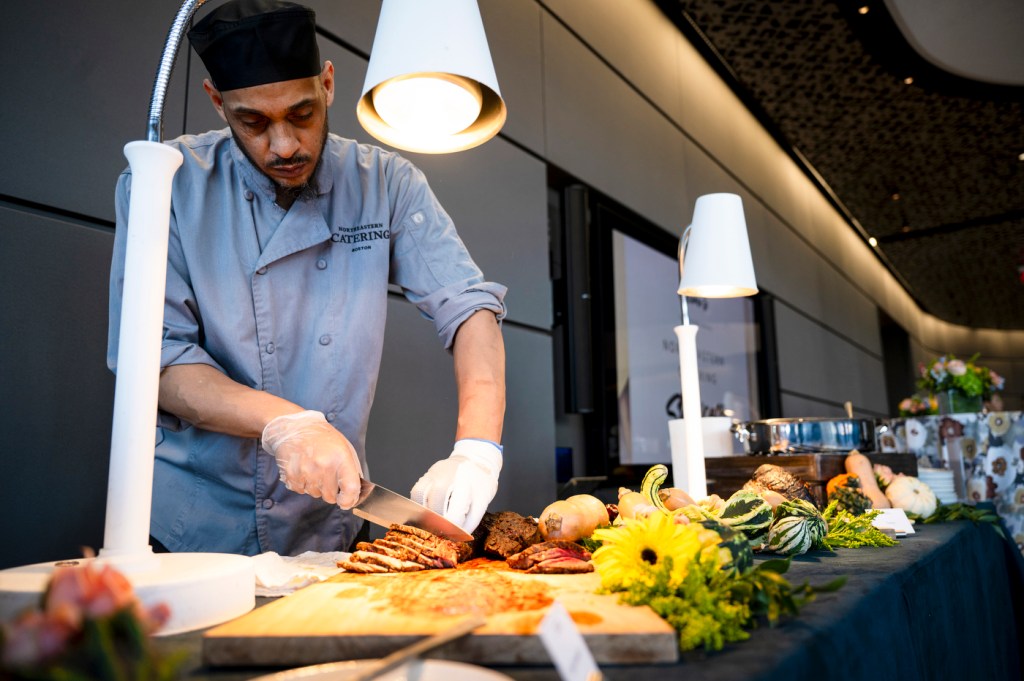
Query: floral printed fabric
x=991 y=446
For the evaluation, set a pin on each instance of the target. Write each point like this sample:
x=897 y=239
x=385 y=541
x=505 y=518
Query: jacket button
x=325 y=340
x=248 y=195
x=268 y=503
x=331 y=416
x=417 y=217
x=262 y=270
x=270 y=348
x=321 y=264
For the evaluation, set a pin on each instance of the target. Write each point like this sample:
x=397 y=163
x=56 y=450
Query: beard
x=308 y=189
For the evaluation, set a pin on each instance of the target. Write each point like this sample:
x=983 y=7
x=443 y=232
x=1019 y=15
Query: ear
x=327 y=80
x=215 y=98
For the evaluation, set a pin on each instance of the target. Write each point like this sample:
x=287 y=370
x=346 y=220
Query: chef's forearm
x=479 y=353
x=208 y=399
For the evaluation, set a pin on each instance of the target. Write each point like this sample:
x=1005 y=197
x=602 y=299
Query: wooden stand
x=729 y=473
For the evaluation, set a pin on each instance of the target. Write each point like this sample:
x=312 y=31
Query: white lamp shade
x=429 y=71
x=717 y=258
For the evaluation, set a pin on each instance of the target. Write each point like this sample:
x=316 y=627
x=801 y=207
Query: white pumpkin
x=912 y=495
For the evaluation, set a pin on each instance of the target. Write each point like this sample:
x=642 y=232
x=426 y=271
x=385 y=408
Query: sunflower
x=639 y=549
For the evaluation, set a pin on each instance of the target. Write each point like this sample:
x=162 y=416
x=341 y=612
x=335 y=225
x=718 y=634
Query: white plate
x=416 y=670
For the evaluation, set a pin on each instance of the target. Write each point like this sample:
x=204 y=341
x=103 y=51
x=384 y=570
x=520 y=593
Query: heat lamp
x=714 y=262
x=430 y=85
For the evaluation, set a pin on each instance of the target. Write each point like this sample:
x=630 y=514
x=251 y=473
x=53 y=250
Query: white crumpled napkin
x=278 y=575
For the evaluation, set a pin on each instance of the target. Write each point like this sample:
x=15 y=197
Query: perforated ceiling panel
x=930 y=168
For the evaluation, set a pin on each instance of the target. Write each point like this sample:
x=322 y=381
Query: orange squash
x=841 y=480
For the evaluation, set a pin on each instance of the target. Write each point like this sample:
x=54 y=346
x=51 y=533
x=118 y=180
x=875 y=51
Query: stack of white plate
x=941 y=482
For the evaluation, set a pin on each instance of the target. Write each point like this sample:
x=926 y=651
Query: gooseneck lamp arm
x=154 y=132
x=680 y=254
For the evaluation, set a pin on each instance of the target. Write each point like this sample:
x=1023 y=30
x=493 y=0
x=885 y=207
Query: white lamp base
x=202 y=589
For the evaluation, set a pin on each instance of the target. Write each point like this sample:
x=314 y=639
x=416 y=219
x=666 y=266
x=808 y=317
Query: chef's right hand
x=314 y=458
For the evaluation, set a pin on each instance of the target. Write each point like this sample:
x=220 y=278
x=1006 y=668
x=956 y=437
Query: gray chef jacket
x=294 y=303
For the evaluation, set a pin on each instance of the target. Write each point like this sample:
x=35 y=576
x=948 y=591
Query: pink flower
x=33 y=638
x=87 y=591
x=956 y=367
x=906 y=405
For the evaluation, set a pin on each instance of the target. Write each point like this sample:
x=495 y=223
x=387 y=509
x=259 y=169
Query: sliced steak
x=390 y=563
x=547 y=551
x=438 y=549
x=364 y=568
x=561 y=566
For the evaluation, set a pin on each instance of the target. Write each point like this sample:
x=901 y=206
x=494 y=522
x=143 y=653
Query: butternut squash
x=860 y=465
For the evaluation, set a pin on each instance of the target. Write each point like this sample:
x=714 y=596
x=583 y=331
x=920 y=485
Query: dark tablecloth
x=947 y=603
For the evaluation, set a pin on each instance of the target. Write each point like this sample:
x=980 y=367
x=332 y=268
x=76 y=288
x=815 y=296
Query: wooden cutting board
x=354 y=616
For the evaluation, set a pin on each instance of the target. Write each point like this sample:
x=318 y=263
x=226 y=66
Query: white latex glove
x=314 y=458
x=461 y=486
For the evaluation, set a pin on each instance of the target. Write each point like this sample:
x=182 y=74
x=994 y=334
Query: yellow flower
x=634 y=551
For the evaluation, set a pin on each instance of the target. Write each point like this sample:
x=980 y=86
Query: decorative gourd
x=741 y=555
x=652 y=482
x=912 y=495
x=860 y=465
x=747 y=512
x=790 y=535
x=799 y=508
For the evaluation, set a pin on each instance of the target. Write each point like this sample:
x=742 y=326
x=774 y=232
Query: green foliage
x=711 y=607
x=959 y=511
x=848 y=531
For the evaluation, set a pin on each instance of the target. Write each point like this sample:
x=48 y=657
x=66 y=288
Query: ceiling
x=933 y=169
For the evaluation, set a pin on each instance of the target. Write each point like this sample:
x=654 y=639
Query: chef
x=283 y=240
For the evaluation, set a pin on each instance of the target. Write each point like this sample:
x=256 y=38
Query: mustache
x=294 y=160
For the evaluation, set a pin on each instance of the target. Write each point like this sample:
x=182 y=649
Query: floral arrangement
x=678 y=570
x=90 y=626
x=966 y=377
x=919 y=405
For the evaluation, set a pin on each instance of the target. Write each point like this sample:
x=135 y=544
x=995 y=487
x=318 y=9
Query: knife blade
x=383 y=507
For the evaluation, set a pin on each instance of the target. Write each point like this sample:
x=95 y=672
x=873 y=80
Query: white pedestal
x=202 y=589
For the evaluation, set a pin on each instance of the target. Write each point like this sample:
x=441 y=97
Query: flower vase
x=955 y=402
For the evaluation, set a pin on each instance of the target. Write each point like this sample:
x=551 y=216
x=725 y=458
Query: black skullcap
x=254 y=42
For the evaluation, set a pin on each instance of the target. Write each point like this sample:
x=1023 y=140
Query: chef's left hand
x=461 y=486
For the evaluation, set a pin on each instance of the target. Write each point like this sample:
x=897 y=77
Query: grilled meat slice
x=433 y=547
x=528 y=556
x=364 y=568
x=561 y=566
x=408 y=553
x=391 y=563
x=549 y=552
x=391 y=549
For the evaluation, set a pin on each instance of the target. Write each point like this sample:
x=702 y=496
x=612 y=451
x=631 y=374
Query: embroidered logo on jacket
x=361 y=235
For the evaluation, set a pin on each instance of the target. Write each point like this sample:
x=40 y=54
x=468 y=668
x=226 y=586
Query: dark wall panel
x=76 y=88
x=56 y=394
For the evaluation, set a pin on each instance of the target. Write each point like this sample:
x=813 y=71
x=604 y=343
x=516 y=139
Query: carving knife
x=383 y=507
